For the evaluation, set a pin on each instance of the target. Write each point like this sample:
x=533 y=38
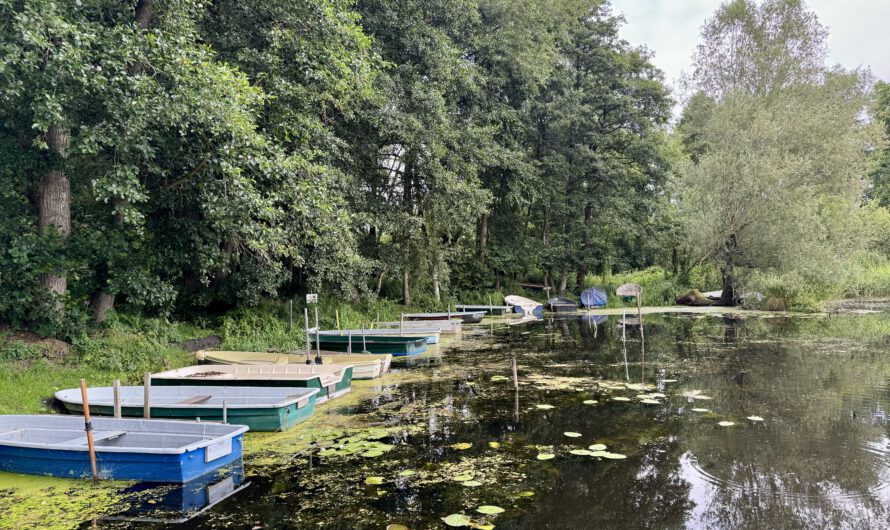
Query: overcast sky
x=859 y=32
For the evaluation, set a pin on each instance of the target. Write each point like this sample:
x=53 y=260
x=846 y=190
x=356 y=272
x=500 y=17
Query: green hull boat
x=396 y=345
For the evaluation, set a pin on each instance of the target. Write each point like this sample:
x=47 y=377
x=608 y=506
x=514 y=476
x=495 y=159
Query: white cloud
x=670 y=28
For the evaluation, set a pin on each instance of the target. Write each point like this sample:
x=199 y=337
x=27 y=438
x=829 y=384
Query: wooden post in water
x=146 y=400
x=642 y=337
x=349 y=344
x=401 y=324
x=225 y=412
x=88 y=427
x=337 y=315
x=515 y=373
x=116 y=388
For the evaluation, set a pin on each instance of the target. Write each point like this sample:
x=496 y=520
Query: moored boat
x=364 y=366
x=468 y=317
x=446 y=326
x=594 y=297
x=496 y=310
x=562 y=305
x=126 y=449
x=330 y=380
x=396 y=345
x=431 y=335
x=525 y=306
x=260 y=408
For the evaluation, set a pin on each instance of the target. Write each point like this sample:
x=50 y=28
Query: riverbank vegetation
x=208 y=162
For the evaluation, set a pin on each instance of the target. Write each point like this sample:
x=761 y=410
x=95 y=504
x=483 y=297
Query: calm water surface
x=819 y=459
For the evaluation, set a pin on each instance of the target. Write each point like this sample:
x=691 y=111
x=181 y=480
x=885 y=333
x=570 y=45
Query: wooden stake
x=88 y=427
x=117 y=398
x=146 y=401
x=337 y=314
x=225 y=412
x=402 y=324
x=515 y=374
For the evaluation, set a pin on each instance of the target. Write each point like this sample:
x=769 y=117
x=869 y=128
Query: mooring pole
x=88 y=427
x=116 y=388
x=146 y=400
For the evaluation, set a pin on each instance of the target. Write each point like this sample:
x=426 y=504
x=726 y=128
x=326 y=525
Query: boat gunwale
x=300 y=401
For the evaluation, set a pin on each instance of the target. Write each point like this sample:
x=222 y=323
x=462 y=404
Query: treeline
x=176 y=155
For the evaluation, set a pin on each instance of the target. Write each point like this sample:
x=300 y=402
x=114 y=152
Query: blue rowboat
x=126 y=449
x=593 y=297
x=261 y=409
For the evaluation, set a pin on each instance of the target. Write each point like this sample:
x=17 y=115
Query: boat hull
x=473 y=317
x=432 y=337
x=393 y=345
x=496 y=310
x=364 y=366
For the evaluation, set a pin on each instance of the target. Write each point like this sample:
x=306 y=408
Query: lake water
x=452 y=434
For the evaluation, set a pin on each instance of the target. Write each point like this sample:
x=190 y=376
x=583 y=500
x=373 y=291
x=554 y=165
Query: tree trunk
x=581 y=275
x=406 y=294
x=380 y=281
x=101 y=304
x=497 y=281
x=54 y=209
x=727 y=271
x=563 y=281
x=482 y=236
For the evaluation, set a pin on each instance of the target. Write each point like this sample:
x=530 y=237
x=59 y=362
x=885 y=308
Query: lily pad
x=546 y=456
x=581 y=452
x=590 y=402
x=620 y=398
x=463 y=477
x=494 y=445
x=571 y=434
x=650 y=401
x=701 y=410
x=544 y=407
x=397 y=527
x=373 y=453
x=755 y=418
x=599 y=453
x=456 y=519
x=597 y=447
x=490 y=510
x=668 y=380
x=462 y=446
x=614 y=456
x=496 y=378
x=407 y=473
x=472 y=483
x=527 y=494
x=726 y=423
x=374 y=481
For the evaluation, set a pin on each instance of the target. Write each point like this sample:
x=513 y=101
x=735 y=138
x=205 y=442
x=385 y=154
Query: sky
x=859 y=31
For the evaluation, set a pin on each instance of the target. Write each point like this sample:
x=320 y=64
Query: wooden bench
x=97 y=435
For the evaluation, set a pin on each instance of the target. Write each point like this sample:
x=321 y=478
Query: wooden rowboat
x=260 y=408
x=431 y=334
x=525 y=306
x=126 y=449
x=562 y=305
x=442 y=326
x=364 y=366
x=396 y=345
x=468 y=317
x=488 y=309
x=330 y=380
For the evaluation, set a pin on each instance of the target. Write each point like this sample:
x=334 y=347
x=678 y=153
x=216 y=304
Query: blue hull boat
x=126 y=449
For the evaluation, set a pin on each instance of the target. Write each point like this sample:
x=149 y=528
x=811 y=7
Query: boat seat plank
x=9 y=431
x=192 y=400
x=97 y=435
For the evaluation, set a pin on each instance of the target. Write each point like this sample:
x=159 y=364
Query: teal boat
x=330 y=380
x=396 y=345
x=259 y=408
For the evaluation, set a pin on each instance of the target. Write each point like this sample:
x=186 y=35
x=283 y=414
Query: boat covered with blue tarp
x=126 y=449
x=594 y=297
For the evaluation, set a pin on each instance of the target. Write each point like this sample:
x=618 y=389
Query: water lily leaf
x=620 y=398
x=373 y=453
x=651 y=401
x=472 y=483
x=581 y=452
x=546 y=456
x=527 y=494
x=755 y=418
x=496 y=378
x=470 y=383
x=657 y=395
x=494 y=445
x=726 y=423
x=381 y=492
x=614 y=456
x=374 y=481
x=701 y=410
x=396 y=526
x=407 y=473
x=572 y=434
x=599 y=453
x=478 y=526
x=597 y=447
x=544 y=407
x=668 y=380
x=462 y=446
x=463 y=477
x=590 y=402
x=456 y=519
x=490 y=510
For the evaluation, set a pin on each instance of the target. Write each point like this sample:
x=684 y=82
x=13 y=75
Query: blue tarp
x=593 y=297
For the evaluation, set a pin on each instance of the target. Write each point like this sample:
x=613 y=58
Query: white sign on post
x=311 y=298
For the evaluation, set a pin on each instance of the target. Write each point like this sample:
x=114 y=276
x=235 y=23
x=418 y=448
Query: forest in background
x=191 y=159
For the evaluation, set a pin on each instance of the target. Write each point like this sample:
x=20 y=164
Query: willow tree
x=778 y=147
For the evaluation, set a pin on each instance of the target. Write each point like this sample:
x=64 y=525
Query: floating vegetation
x=572 y=434
x=597 y=447
x=490 y=510
x=620 y=398
x=374 y=481
x=544 y=407
x=546 y=456
x=613 y=456
x=407 y=473
x=461 y=446
x=726 y=423
x=700 y=410
x=755 y=418
x=667 y=381
x=494 y=445
x=526 y=494
x=498 y=378
x=650 y=401
x=397 y=527
x=456 y=519
x=472 y=483
x=463 y=478
x=696 y=394
x=581 y=452
x=590 y=402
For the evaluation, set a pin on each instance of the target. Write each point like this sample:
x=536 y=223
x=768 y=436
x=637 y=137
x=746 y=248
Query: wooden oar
x=88 y=427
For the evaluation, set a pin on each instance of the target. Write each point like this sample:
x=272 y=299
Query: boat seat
x=9 y=431
x=192 y=400
x=97 y=435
